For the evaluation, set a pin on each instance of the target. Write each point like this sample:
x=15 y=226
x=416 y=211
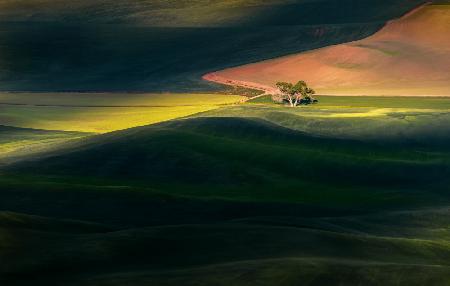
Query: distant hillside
x=202 y=13
x=167 y=45
x=410 y=56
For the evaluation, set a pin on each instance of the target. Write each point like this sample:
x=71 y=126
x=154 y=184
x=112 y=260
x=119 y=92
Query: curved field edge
x=111 y=46
x=406 y=57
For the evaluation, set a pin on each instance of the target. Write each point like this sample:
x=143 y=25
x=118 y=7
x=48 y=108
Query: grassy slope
x=38 y=117
x=15 y=141
x=287 y=272
x=307 y=203
x=145 y=255
x=337 y=170
x=368 y=118
x=64 y=51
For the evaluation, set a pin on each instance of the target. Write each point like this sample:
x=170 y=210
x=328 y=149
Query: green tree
x=287 y=92
x=296 y=94
x=308 y=95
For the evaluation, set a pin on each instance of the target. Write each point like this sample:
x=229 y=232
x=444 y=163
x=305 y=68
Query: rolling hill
x=201 y=13
x=160 y=46
x=174 y=203
x=193 y=156
x=25 y=141
x=409 y=56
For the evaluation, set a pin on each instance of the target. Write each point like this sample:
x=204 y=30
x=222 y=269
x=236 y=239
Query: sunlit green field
x=365 y=118
x=26 y=141
x=100 y=113
x=372 y=102
x=30 y=122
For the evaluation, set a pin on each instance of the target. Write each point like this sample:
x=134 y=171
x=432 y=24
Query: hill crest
x=409 y=56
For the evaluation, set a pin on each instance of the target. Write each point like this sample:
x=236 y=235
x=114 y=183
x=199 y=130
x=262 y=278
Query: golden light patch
x=101 y=113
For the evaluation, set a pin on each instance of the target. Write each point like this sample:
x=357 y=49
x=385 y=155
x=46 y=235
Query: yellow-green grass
x=101 y=113
x=30 y=145
x=88 y=113
x=15 y=141
x=21 y=148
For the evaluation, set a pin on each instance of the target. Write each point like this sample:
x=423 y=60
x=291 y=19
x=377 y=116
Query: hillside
x=168 y=155
x=24 y=141
x=166 y=45
x=102 y=112
x=409 y=56
x=230 y=253
x=252 y=192
x=200 y=13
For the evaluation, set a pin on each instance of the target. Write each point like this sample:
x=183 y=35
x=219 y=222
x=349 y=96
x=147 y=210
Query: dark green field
x=353 y=191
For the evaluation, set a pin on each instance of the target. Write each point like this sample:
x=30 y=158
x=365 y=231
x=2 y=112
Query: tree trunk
x=291 y=101
x=296 y=100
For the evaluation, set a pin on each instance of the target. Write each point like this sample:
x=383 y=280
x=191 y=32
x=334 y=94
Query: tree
x=296 y=94
x=308 y=96
x=287 y=93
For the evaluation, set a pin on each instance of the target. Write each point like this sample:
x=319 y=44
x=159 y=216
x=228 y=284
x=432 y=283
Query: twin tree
x=296 y=94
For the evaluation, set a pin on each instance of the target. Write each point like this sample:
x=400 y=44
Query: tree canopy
x=296 y=94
